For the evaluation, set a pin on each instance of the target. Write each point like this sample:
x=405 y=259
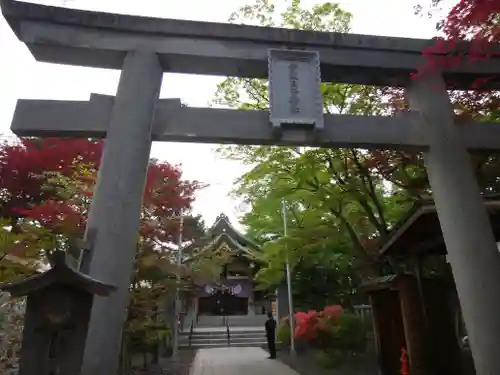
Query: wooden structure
x=56 y=320
x=402 y=320
x=419 y=307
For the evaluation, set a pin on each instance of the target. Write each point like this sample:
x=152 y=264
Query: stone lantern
x=59 y=302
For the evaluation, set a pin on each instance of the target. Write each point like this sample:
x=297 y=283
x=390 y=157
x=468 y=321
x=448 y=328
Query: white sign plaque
x=295 y=89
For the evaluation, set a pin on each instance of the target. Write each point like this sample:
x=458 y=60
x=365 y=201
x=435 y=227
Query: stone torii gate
x=144 y=48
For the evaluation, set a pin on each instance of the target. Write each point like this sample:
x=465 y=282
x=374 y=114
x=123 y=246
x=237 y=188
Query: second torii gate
x=145 y=48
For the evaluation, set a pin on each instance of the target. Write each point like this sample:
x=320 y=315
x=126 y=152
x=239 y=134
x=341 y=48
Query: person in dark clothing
x=271 y=335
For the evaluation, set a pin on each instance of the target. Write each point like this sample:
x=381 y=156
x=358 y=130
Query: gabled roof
x=223 y=225
x=222 y=232
x=225 y=238
x=419 y=231
x=59 y=273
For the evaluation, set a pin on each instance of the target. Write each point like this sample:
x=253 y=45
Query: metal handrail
x=191 y=329
x=228 y=333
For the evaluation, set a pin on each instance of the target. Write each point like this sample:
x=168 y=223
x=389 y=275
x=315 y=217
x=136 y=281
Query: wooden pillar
x=442 y=328
x=413 y=321
x=388 y=327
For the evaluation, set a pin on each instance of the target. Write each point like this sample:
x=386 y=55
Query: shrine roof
x=60 y=273
x=222 y=232
x=392 y=282
x=378 y=283
x=223 y=225
x=419 y=231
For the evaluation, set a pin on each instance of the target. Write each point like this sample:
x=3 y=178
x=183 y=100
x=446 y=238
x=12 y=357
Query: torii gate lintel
x=173 y=122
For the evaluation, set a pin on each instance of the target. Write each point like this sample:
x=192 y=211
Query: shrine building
x=235 y=293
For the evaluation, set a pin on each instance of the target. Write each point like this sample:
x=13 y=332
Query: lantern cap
x=60 y=273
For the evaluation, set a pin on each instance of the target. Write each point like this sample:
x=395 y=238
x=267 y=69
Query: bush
x=331 y=329
x=283 y=332
x=328 y=360
x=351 y=333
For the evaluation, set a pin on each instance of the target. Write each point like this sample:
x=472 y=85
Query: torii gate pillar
x=115 y=210
x=472 y=250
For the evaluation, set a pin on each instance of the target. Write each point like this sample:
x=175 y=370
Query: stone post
x=117 y=204
x=472 y=251
x=282 y=298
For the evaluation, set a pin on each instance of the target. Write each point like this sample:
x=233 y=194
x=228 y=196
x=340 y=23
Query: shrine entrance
x=222 y=304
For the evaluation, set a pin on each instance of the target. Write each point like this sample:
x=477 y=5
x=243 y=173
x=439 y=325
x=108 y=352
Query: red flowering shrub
x=306 y=325
x=331 y=328
x=333 y=313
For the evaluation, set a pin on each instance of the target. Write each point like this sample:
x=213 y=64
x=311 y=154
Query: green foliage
x=283 y=332
x=351 y=333
x=328 y=360
x=155 y=279
x=327 y=16
x=21 y=250
x=340 y=203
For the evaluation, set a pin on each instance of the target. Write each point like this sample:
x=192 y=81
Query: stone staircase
x=217 y=337
x=211 y=332
x=250 y=321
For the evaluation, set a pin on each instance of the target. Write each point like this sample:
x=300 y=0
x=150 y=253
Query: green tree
x=339 y=202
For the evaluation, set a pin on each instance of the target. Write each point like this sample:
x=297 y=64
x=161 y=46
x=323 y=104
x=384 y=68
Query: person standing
x=271 y=335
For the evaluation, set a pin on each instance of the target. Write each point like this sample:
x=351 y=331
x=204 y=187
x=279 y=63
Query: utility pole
x=289 y=283
x=175 y=331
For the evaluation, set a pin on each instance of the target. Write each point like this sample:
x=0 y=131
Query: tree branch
x=380 y=222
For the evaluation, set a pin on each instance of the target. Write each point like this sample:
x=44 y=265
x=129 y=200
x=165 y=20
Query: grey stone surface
x=209 y=125
x=470 y=243
x=116 y=205
x=95 y=39
x=237 y=361
x=295 y=90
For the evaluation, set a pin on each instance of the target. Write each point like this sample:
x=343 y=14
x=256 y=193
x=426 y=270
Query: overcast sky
x=22 y=77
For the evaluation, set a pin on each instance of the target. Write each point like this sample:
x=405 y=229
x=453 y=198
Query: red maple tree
x=31 y=193
x=475 y=21
x=47 y=184
x=23 y=167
